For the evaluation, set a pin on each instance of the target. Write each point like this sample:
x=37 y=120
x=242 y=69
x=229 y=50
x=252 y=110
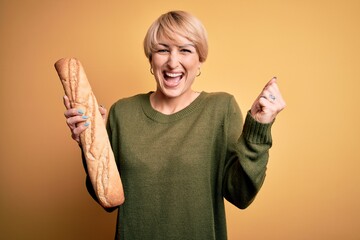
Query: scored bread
x=94 y=140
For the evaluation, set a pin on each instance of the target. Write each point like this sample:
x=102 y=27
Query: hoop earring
x=199 y=73
x=151 y=71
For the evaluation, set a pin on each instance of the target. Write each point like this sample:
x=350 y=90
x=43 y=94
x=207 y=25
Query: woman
x=181 y=152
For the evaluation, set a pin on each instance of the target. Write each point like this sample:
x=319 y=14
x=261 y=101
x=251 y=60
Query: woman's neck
x=170 y=105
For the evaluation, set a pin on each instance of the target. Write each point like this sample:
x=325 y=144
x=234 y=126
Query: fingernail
x=80 y=111
x=275 y=78
x=86 y=124
x=85 y=117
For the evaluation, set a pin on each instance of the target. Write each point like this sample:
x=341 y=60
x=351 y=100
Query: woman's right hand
x=74 y=117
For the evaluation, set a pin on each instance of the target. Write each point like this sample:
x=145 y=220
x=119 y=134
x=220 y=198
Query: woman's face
x=175 y=65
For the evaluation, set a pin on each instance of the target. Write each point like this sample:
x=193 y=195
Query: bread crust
x=100 y=161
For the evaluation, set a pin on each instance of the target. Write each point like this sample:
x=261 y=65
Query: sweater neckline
x=164 y=118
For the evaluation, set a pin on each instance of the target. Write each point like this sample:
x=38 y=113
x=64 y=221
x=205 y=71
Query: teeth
x=172 y=74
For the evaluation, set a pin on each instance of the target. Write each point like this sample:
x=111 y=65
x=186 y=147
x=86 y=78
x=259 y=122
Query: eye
x=185 y=50
x=163 y=50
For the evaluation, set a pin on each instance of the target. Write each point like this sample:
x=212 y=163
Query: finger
x=102 y=110
x=264 y=102
x=270 y=90
x=73 y=122
x=66 y=102
x=268 y=95
x=80 y=128
x=76 y=137
x=273 y=107
x=75 y=134
x=274 y=90
x=272 y=81
x=73 y=112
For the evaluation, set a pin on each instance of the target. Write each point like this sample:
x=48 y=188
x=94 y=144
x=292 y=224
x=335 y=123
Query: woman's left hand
x=268 y=104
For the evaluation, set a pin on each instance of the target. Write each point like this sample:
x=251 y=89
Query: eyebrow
x=182 y=46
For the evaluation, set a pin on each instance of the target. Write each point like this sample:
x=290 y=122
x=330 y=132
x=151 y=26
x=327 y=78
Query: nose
x=173 y=60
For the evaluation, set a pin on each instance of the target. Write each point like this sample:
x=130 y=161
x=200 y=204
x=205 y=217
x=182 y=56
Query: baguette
x=94 y=140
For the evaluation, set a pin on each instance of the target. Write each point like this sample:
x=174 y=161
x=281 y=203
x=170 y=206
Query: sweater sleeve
x=246 y=157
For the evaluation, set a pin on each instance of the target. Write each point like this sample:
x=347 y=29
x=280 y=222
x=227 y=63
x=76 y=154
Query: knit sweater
x=177 y=169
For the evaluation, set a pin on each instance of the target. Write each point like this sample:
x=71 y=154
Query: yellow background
x=313 y=47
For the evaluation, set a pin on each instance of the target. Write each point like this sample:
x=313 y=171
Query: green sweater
x=177 y=169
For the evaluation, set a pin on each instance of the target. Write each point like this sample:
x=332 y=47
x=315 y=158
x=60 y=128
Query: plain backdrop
x=312 y=46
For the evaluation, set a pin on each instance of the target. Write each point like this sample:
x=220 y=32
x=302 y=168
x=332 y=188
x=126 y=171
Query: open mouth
x=172 y=79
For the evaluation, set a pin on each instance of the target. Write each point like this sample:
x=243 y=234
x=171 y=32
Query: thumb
x=66 y=102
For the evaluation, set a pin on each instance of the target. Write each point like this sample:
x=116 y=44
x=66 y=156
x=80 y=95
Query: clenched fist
x=268 y=104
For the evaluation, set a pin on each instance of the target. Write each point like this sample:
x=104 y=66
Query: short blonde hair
x=181 y=23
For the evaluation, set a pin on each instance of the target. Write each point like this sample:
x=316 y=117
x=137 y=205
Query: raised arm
x=248 y=154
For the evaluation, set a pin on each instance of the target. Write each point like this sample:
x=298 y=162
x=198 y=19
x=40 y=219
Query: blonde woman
x=182 y=152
